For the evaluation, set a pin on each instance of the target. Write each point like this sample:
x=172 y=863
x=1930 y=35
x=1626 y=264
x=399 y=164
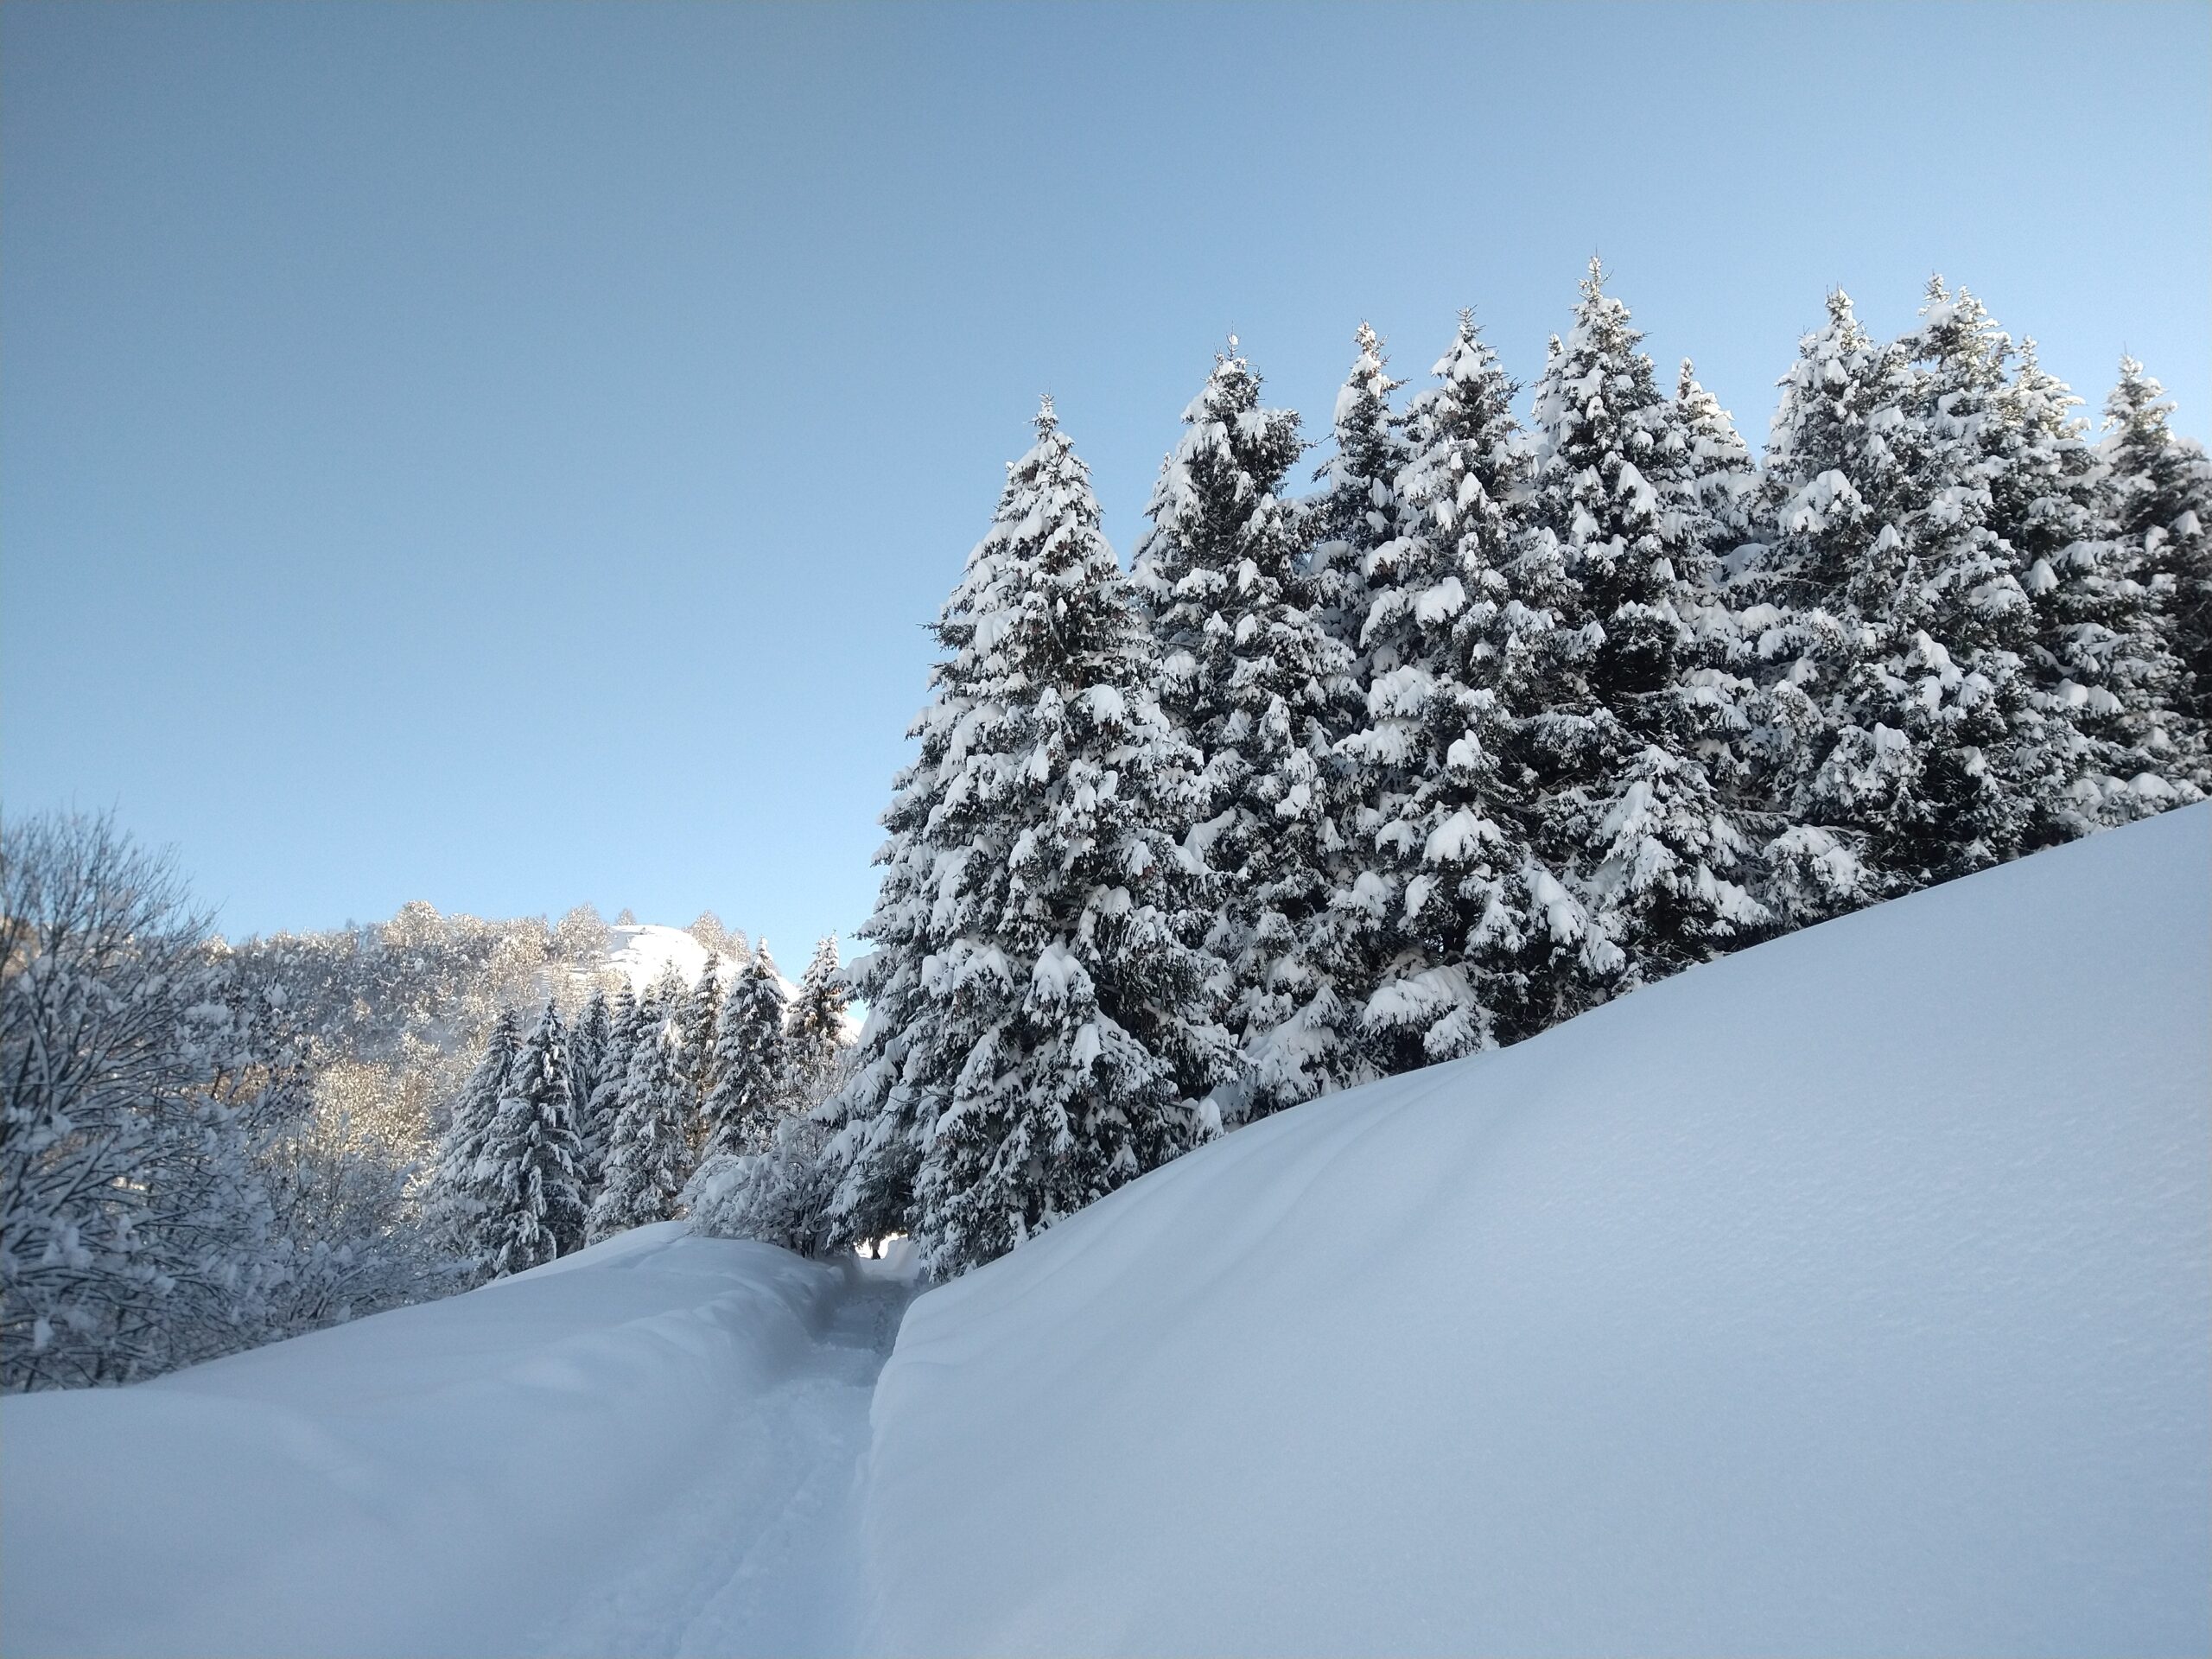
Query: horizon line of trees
x=567 y=1135
x=207 y=1146
x=1504 y=720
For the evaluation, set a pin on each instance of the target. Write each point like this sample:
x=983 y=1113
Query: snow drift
x=1853 y=1295
x=587 y=1456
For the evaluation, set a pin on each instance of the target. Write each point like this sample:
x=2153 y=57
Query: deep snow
x=651 y=1447
x=1852 y=1294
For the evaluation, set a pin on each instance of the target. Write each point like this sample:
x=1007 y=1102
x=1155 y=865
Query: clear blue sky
x=505 y=454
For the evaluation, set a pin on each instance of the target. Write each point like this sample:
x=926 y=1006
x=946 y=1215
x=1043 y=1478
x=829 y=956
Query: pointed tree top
x=1047 y=421
x=1594 y=282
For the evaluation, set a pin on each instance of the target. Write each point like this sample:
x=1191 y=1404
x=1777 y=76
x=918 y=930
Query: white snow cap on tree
x=1039 y=1029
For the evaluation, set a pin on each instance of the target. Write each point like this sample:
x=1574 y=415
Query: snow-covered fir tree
x=1356 y=511
x=754 y=1083
x=528 y=1169
x=649 y=1147
x=1255 y=677
x=461 y=1202
x=2099 y=657
x=1987 y=771
x=1638 y=709
x=597 y=1111
x=699 y=1020
x=1722 y=476
x=587 y=1045
x=814 y=1029
x=1443 y=877
x=2159 y=495
x=1040 y=1031
x=1890 y=677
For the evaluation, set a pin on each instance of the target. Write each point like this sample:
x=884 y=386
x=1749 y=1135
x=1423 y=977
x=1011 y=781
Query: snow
x=649 y=1447
x=1852 y=1294
x=639 y=954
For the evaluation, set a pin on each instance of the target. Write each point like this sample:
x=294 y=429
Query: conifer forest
x=1400 y=737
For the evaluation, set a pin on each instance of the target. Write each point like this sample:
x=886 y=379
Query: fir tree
x=2098 y=659
x=1839 y=487
x=1445 y=878
x=1902 y=727
x=2159 y=494
x=1628 y=801
x=1723 y=479
x=626 y=1020
x=462 y=1201
x=751 y=1061
x=1356 y=510
x=649 y=1149
x=527 y=1170
x=1262 y=688
x=700 y=1018
x=1040 y=1033
x=815 y=1031
x=587 y=1045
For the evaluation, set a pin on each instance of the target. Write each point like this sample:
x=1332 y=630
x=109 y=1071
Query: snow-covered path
x=653 y=1447
x=757 y=1555
x=1850 y=1295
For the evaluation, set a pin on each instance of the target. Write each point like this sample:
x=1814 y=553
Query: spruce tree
x=1625 y=798
x=1837 y=489
x=649 y=1149
x=528 y=1171
x=752 y=1062
x=1901 y=733
x=1723 y=479
x=1043 y=1033
x=587 y=1043
x=461 y=1201
x=815 y=1031
x=1259 y=683
x=700 y=1020
x=595 y=1127
x=1446 y=887
x=2098 y=659
x=2159 y=494
x=1356 y=509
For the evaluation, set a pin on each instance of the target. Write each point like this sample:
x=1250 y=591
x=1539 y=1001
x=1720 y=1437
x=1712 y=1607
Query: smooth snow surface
x=639 y=952
x=649 y=1447
x=1851 y=1295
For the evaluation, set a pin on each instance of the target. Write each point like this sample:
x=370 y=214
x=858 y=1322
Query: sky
x=507 y=455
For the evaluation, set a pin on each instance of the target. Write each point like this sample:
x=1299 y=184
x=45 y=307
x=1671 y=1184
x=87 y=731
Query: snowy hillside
x=556 y=1462
x=1854 y=1293
x=639 y=952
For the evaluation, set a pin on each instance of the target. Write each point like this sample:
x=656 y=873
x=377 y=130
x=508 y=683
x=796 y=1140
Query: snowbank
x=1854 y=1295
x=441 y=1479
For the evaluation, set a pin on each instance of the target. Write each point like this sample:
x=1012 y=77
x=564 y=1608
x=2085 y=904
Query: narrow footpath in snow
x=757 y=1554
x=652 y=1447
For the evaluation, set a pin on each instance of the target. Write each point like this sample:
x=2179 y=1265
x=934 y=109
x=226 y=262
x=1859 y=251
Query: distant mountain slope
x=1853 y=1295
x=639 y=952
